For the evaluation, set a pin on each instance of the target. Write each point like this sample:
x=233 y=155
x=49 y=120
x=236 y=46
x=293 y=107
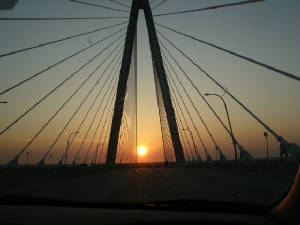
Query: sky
x=267 y=31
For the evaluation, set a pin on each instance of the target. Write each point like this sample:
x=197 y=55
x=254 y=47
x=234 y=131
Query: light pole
x=195 y=148
x=68 y=143
x=267 y=144
x=233 y=139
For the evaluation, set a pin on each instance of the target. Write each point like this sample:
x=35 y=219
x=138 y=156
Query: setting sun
x=142 y=150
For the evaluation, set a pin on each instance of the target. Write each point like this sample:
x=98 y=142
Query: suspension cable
x=185 y=91
x=159 y=4
x=59 y=40
x=127 y=138
x=124 y=136
x=101 y=133
x=105 y=107
x=151 y=2
x=121 y=142
x=180 y=109
x=119 y=3
x=289 y=75
x=183 y=134
x=177 y=116
x=57 y=63
x=190 y=117
x=167 y=144
x=60 y=18
x=161 y=123
x=57 y=87
x=91 y=124
x=106 y=134
x=100 y=91
x=199 y=115
x=99 y=140
x=209 y=8
x=100 y=6
x=50 y=119
x=97 y=96
x=83 y=101
x=278 y=138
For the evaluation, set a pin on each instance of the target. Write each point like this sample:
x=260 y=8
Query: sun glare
x=142 y=150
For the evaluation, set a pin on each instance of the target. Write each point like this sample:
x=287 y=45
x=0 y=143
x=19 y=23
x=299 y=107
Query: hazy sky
x=266 y=31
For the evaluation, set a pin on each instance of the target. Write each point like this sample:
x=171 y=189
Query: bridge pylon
x=123 y=78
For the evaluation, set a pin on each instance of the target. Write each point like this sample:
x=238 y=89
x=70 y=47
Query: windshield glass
x=142 y=101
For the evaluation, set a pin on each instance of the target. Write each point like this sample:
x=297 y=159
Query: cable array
x=159 y=4
x=224 y=89
x=208 y=8
x=57 y=87
x=60 y=18
x=100 y=6
x=87 y=95
x=30 y=77
x=93 y=145
x=235 y=54
x=59 y=40
x=62 y=106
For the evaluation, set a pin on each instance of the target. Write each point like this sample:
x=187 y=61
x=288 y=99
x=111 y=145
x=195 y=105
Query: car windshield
x=143 y=101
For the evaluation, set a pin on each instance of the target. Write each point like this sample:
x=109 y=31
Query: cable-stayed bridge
x=105 y=119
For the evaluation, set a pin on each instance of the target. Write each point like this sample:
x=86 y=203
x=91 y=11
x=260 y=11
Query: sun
x=142 y=150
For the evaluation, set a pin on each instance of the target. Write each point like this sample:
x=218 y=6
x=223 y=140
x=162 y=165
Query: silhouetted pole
x=267 y=144
x=68 y=145
x=233 y=139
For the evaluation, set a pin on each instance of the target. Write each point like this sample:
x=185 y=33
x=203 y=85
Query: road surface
x=152 y=184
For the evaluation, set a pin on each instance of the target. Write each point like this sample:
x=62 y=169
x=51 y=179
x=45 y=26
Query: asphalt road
x=151 y=184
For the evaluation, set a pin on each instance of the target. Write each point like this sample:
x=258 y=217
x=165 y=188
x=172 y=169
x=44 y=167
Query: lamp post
x=195 y=148
x=233 y=139
x=267 y=144
x=68 y=143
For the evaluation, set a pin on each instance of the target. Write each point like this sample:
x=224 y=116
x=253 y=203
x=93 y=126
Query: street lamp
x=267 y=144
x=68 y=143
x=195 y=148
x=231 y=133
